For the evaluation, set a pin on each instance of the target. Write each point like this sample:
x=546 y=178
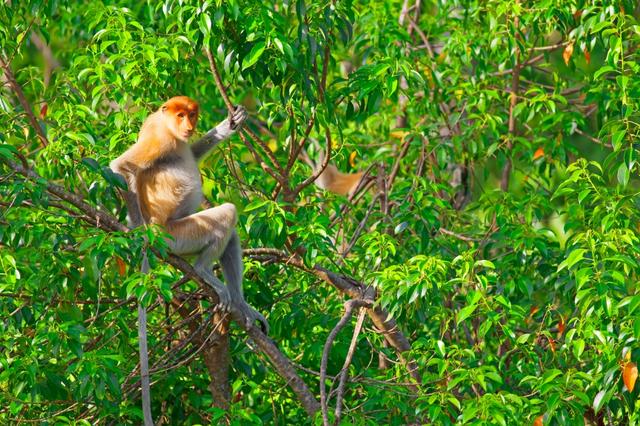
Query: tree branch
x=348 y=309
x=353 y=289
x=277 y=175
x=344 y=373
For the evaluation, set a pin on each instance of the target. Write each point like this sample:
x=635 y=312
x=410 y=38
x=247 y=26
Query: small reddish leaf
x=567 y=52
x=577 y=14
x=533 y=310
x=552 y=344
x=538 y=421
x=587 y=56
x=44 y=109
x=629 y=375
x=122 y=267
x=539 y=153
x=561 y=326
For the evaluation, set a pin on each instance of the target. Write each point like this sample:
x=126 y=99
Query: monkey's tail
x=145 y=384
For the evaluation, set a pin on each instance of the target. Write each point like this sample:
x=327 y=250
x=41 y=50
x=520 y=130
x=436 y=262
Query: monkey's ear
x=163 y=108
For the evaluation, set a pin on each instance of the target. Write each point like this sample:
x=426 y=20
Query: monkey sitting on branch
x=165 y=188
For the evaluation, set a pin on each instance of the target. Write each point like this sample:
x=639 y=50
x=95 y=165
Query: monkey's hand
x=234 y=122
x=219 y=133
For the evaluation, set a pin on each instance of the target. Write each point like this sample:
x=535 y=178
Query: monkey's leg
x=232 y=269
x=205 y=233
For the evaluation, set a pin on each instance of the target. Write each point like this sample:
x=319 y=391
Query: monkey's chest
x=171 y=191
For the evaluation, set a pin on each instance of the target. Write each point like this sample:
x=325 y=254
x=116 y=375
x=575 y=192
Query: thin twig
x=345 y=368
x=531 y=61
x=325 y=162
x=348 y=310
x=592 y=139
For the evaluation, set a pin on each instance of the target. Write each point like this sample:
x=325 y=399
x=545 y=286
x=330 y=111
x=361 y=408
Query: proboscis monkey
x=331 y=179
x=165 y=188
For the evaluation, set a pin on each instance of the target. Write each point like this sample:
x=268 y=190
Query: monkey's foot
x=224 y=299
x=251 y=316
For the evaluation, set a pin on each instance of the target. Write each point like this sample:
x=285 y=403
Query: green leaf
x=617 y=138
x=574 y=257
x=465 y=313
x=623 y=174
x=598 y=401
x=254 y=55
x=603 y=70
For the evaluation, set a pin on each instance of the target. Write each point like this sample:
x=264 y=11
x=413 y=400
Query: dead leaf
x=629 y=375
x=533 y=310
x=44 y=109
x=398 y=134
x=538 y=421
x=587 y=56
x=539 y=153
x=122 y=267
x=352 y=158
x=567 y=52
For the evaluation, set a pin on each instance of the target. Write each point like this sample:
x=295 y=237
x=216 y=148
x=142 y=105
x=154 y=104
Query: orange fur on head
x=180 y=115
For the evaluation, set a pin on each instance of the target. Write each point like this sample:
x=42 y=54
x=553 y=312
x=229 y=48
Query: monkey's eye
x=180 y=114
x=192 y=115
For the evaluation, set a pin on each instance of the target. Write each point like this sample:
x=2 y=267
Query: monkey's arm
x=128 y=172
x=219 y=133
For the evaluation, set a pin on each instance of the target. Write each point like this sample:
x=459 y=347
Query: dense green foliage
x=501 y=231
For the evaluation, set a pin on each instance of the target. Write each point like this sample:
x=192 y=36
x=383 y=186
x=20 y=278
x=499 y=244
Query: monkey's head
x=181 y=116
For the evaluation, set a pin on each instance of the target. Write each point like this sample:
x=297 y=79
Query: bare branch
x=348 y=309
x=325 y=162
x=345 y=368
x=385 y=324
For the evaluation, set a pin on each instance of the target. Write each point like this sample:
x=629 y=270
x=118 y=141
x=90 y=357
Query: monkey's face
x=181 y=115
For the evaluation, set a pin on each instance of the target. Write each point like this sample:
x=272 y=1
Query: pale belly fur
x=172 y=190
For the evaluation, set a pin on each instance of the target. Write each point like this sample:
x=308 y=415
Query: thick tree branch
x=354 y=290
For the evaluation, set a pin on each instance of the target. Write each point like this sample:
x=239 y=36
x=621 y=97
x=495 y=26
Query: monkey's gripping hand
x=219 y=133
x=234 y=122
